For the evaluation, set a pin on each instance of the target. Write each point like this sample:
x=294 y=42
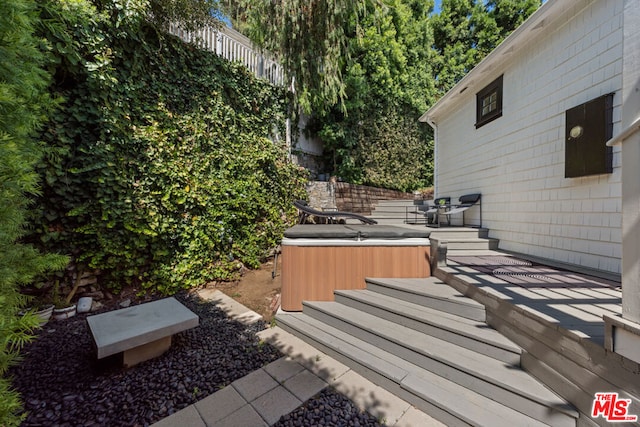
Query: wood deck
x=555 y=315
x=574 y=301
x=399 y=330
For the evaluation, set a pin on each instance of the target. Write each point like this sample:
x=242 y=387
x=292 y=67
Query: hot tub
x=318 y=259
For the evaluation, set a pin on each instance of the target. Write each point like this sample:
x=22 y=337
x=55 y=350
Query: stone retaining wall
x=349 y=197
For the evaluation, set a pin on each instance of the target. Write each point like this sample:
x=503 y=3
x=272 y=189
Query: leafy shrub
x=23 y=104
x=388 y=83
x=160 y=170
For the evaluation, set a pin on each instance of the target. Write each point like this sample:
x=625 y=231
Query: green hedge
x=160 y=170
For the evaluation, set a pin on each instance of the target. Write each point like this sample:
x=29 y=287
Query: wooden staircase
x=427 y=343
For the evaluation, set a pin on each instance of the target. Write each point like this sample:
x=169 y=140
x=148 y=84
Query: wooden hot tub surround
x=318 y=259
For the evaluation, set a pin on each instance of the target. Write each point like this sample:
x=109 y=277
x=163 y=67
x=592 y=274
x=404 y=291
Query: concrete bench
x=140 y=332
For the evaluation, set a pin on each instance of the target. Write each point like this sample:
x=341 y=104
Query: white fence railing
x=234 y=46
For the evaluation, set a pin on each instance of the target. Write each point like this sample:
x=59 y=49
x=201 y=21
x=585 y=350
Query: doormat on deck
x=529 y=274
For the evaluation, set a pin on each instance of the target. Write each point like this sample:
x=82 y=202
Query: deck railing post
x=622 y=334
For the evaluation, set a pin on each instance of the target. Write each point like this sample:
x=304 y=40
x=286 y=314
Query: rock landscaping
x=328 y=408
x=62 y=384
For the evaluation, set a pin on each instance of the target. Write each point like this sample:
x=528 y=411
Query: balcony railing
x=234 y=46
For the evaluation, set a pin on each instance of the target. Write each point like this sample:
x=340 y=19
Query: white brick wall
x=517 y=161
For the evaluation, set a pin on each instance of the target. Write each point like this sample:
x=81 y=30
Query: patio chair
x=464 y=203
x=417 y=214
x=432 y=214
x=332 y=217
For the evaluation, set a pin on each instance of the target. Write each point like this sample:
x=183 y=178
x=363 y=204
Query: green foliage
x=368 y=69
x=388 y=85
x=465 y=31
x=509 y=14
x=454 y=42
x=311 y=41
x=394 y=152
x=160 y=170
x=23 y=105
x=401 y=59
x=188 y=15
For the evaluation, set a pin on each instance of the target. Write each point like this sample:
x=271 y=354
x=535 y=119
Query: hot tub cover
x=348 y=231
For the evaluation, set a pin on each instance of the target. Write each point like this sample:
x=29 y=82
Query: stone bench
x=140 y=332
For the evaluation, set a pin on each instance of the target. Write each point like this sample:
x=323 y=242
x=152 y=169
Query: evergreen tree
x=23 y=104
x=388 y=85
x=453 y=42
x=465 y=31
x=509 y=14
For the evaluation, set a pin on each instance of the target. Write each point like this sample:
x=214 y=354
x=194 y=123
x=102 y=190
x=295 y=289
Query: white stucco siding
x=517 y=161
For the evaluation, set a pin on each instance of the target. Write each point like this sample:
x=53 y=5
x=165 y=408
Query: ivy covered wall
x=161 y=170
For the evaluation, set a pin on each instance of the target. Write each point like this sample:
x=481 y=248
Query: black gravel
x=328 y=408
x=62 y=384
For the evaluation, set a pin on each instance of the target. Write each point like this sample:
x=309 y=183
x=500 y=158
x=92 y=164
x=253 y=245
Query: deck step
x=391 y=212
x=473 y=243
x=466 y=333
x=484 y=375
x=449 y=382
x=393 y=202
x=395 y=210
x=452 y=233
x=429 y=292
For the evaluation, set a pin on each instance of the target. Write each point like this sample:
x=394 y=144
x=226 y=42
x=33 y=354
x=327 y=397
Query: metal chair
x=464 y=203
x=439 y=205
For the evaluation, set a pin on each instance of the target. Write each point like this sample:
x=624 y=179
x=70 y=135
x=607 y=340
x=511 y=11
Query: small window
x=489 y=103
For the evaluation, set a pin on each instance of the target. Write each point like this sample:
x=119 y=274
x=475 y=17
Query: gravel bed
x=328 y=408
x=63 y=385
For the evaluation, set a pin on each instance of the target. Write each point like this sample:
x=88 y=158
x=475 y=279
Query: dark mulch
x=62 y=384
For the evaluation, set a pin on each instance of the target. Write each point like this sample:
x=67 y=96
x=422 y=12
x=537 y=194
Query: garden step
x=389 y=209
x=429 y=292
x=470 y=334
x=444 y=399
x=446 y=233
x=394 y=202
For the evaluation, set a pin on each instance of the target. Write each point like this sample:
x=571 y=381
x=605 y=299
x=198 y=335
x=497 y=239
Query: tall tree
x=367 y=69
x=310 y=40
x=388 y=85
x=465 y=31
x=509 y=14
x=453 y=42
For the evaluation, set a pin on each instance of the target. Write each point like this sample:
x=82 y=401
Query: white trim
x=410 y=241
x=435 y=153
